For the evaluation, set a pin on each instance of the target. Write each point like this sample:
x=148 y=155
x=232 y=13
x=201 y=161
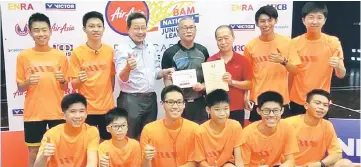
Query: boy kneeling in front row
x=73 y=143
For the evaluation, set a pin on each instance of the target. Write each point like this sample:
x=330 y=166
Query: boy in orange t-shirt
x=120 y=150
x=169 y=141
x=72 y=144
x=92 y=72
x=41 y=72
x=320 y=55
x=271 y=138
x=270 y=61
x=219 y=138
x=315 y=135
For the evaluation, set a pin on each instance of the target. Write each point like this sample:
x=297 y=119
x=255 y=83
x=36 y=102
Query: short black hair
x=92 y=14
x=224 y=26
x=268 y=10
x=135 y=15
x=269 y=96
x=217 y=96
x=170 y=88
x=38 y=17
x=114 y=114
x=317 y=92
x=314 y=7
x=71 y=99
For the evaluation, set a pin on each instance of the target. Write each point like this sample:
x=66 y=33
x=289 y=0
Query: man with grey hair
x=185 y=55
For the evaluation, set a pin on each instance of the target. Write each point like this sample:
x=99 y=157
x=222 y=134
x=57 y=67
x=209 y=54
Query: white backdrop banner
x=163 y=16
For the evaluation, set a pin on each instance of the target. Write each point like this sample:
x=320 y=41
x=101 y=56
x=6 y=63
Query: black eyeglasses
x=118 y=127
x=268 y=111
x=171 y=102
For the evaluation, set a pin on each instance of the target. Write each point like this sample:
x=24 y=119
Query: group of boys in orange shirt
x=300 y=140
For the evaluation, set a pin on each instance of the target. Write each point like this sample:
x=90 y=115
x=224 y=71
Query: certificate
x=185 y=78
x=213 y=72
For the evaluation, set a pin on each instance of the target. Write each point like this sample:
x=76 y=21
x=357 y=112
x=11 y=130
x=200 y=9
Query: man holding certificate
x=238 y=73
x=187 y=57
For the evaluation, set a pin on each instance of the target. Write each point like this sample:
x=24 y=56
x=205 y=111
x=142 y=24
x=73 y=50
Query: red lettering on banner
x=65 y=27
x=18 y=93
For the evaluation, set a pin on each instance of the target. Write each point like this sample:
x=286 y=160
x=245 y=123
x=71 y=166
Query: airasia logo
x=62 y=28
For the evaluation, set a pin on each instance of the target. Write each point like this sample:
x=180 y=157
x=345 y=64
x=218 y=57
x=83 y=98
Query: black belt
x=149 y=94
x=193 y=100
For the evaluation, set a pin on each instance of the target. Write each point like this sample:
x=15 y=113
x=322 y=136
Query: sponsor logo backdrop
x=162 y=17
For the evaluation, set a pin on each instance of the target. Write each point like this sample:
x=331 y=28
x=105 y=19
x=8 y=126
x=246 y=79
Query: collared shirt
x=142 y=78
x=181 y=58
x=240 y=69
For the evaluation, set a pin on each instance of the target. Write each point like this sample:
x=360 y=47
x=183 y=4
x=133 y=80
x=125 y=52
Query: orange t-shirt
x=217 y=147
x=70 y=152
x=269 y=76
x=314 y=141
x=173 y=147
x=315 y=71
x=269 y=148
x=100 y=70
x=128 y=156
x=42 y=101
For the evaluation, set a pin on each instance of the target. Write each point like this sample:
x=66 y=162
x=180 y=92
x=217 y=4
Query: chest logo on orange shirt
x=166 y=154
x=42 y=68
x=66 y=161
x=264 y=153
x=213 y=154
x=260 y=59
x=94 y=66
x=303 y=142
x=308 y=59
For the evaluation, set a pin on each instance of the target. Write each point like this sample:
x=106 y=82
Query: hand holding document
x=213 y=72
x=184 y=78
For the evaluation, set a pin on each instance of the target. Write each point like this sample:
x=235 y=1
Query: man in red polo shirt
x=239 y=71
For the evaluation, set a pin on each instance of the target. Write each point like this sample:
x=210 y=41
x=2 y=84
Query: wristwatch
x=233 y=82
x=285 y=61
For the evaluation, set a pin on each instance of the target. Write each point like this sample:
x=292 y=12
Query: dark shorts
x=99 y=122
x=195 y=110
x=35 y=130
x=237 y=115
x=142 y=109
x=255 y=117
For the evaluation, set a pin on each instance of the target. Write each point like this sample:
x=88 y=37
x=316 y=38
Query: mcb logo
x=243 y=27
x=18 y=112
x=279 y=6
x=60 y=6
x=64 y=47
x=22 y=31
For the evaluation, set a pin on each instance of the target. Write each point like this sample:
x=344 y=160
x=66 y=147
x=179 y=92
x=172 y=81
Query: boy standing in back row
x=39 y=71
x=320 y=55
x=92 y=72
x=270 y=61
